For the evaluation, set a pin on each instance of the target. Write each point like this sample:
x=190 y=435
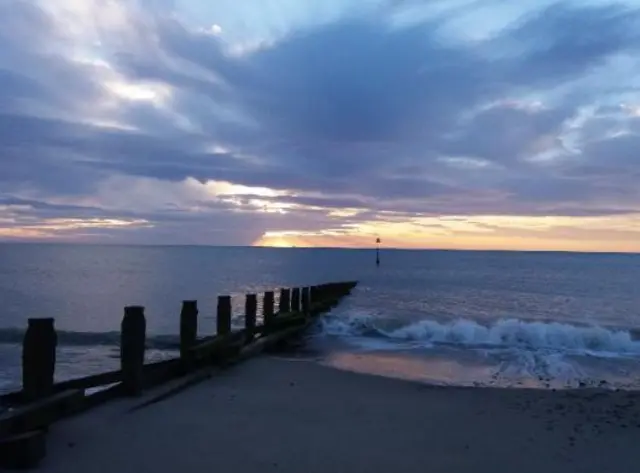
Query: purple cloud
x=357 y=112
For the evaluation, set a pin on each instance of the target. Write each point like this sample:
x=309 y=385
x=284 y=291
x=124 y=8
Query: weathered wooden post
x=267 y=307
x=223 y=321
x=306 y=303
x=250 y=313
x=38 y=358
x=295 y=299
x=188 y=329
x=132 y=345
x=284 y=304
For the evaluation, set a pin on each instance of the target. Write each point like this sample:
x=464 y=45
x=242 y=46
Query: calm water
x=450 y=317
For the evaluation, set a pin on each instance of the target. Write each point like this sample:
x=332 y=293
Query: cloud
x=137 y=111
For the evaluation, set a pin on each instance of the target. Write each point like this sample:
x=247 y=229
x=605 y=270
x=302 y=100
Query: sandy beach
x=281 y=415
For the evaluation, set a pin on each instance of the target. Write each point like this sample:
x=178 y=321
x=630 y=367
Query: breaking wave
x=503 y=333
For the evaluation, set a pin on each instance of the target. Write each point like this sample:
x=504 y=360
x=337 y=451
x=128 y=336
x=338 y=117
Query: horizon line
x=382 y=248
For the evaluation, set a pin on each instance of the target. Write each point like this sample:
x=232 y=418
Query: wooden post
x=295 y=299
x=38 y=358
x=224 y=315
x=285 y=301
x=132 y=345
x=267 y=307
x=188 y=327
x=329 y=290
x=306 y=304
x=23 y=451
x=337 y=291
x=250 y=312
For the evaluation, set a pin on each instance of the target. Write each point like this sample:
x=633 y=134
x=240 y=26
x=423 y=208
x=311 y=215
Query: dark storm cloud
x=620 y=151
x=35 y=74
x=50 y=209
x=353 y=108
x=505 y=133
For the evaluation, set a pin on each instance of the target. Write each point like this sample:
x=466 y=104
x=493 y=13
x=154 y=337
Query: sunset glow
x=482 y=233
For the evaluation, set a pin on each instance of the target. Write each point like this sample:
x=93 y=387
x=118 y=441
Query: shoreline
x=286 y=415
x=462 y=368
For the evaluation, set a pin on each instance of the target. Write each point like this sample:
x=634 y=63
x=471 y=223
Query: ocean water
x=450 y=317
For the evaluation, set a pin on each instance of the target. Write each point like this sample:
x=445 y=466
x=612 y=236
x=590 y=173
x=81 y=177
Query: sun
x=273 y=242
x=280 y=243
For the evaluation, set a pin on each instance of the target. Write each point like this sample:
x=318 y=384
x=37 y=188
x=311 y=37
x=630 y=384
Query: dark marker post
x=377 y=251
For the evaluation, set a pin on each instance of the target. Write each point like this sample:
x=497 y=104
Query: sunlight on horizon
x=475 y=233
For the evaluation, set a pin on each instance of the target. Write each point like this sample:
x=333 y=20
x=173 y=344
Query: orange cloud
x=607 y=234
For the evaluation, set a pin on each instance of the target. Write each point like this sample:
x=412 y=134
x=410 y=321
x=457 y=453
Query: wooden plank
x=92 y=381
x=112 y=377
x=217 y=347
x=151 y=371
x=11 y=398
x=23 y=451
x=41 y=413
x=268 y=341
x=102 y=396
x=163 y=371
x=291 y=318
x=200 y=375
x=175 y=387
x=288 y=325
x=214 y=348
x=282 y=322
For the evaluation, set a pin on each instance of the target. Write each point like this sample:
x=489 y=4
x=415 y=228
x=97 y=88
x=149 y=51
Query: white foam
x=353 y=323
x=501 y=333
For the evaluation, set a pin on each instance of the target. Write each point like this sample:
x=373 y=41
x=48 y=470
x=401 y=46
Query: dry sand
x=275 y=415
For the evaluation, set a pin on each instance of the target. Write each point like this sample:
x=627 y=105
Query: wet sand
x=281 y=415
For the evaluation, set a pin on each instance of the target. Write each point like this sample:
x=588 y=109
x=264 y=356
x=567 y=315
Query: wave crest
x=501 y=333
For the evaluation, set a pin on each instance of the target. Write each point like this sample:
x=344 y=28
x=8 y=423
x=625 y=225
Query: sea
x=539 y=320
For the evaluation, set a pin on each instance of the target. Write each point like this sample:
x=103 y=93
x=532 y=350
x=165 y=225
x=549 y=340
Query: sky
x=463 y=124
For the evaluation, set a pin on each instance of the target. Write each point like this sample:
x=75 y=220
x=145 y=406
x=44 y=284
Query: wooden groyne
x=41 y=402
